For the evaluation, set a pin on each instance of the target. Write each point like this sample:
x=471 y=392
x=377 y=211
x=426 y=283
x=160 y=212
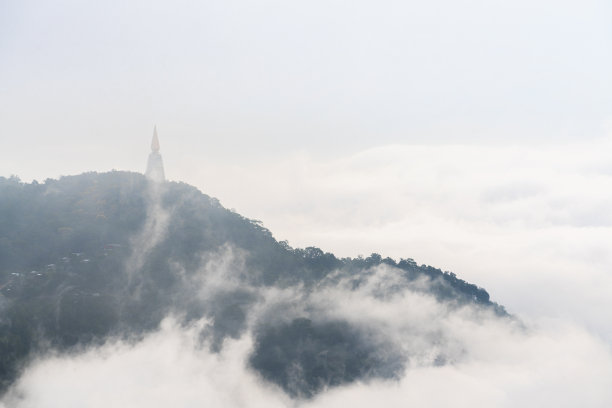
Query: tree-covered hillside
x=90 y=257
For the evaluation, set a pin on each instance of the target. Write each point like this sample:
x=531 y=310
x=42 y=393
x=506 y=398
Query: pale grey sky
x=83 y=82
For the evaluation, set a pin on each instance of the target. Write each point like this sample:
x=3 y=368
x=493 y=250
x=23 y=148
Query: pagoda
x=155 y=165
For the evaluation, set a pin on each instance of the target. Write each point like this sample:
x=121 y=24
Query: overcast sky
x=83 y=82
x=470 y=135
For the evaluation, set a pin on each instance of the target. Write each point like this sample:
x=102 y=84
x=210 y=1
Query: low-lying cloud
x=531 y=224
x=455 y=356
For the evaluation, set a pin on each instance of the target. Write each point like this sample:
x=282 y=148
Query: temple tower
x=155 y=165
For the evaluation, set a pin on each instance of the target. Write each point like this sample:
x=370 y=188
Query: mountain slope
x=91 y=257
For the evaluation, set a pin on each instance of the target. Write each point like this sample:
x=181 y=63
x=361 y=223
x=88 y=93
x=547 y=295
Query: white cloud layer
x=492 y=362
x=531 y=224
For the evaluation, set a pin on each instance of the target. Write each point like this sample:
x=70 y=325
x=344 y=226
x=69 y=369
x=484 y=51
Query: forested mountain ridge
x=90 y=257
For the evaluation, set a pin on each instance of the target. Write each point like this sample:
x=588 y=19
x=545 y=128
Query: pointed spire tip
x=155 y=141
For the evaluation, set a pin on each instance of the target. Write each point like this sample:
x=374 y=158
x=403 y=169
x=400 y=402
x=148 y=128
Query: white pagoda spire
x=155 y=141
x=155 y=165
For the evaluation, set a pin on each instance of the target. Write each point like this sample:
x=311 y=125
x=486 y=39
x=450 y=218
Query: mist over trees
x=87 y=258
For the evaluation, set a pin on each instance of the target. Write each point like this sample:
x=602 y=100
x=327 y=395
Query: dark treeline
x=71 y=273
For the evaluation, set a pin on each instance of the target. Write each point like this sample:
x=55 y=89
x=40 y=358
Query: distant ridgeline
x=86 y=257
